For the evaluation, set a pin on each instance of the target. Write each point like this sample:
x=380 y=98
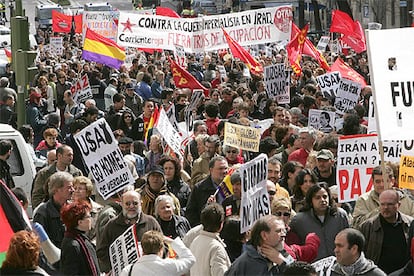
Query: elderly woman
x=233 y=155
x=303 y=181
x=307 y=252
x=175 y=183
x=172 y=225
x=78 y=255
x=321 y=216
x=83 y=190
x=22 y=256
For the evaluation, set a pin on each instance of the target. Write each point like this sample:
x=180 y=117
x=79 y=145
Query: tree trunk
x=343 y=5
x=301 y=13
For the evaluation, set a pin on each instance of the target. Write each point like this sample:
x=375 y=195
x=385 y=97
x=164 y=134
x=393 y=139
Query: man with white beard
x=264 y=253
x=131 y=214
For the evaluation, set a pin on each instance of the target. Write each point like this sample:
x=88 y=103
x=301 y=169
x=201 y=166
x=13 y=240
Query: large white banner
x=391 y=66
x=124 y=250
x=277 y=81
x=255 y=201
x=205 y=33
x=357 y=156
x=103 y=158
x=103 y=23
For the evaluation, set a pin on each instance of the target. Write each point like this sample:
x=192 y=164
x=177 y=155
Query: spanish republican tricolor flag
x=238 y=51
x=12 y=218
x=102 y=50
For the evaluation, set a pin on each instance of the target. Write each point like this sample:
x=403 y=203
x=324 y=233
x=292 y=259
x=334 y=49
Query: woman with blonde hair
x=22 y=256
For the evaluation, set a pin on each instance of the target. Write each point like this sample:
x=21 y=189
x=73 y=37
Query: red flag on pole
x=347 y=72
x=238 y=51
x=352 y=31
x=295 y=49
x=164 y=11
x=183 y=79
x=62 y=23
x=309 y=49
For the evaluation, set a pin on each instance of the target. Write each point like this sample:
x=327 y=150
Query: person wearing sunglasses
x=131 y=215
x=282 y=209
x=233 y=155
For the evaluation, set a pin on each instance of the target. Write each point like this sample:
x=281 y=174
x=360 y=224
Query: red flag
x=62 y=23
x=352 y=31
x=164 y=11
x=309 y=49
x=347 y=72
x=8 y=54
x=238 y=51
x=183 y=79
x=295 y=49
x=150 y=51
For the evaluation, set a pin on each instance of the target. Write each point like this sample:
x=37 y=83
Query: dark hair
x=215 y=159
x=308 y=101
x=139 y=147
x=311 y=88
x=300 y=268
x=53 y=119
x=26 y=131
x=212 y=217
x=118 y=97
x=5 y=146
x=267 y=144
x=300 y=178
x=72 y=213
x=280 y=133
x=76 y=125
x=354 y=237
x=212 y=109
x=20 y=195
x=262 y=224
x=91 y=111
x=147 y=78
x=378 y=171
x=176 y=163
x=312 y=191
x=290 y=167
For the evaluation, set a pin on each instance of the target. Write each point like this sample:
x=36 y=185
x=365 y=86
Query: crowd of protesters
x=177 y=197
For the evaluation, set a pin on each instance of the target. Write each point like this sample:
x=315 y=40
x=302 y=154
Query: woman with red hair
x=22 y=256
x=78 y=255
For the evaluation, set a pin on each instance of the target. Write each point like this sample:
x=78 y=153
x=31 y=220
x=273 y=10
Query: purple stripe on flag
x=109 y=61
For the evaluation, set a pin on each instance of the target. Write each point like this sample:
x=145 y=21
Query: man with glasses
x=131 y=215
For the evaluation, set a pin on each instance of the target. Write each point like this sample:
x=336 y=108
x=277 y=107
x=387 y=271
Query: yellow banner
x=242 y=137
x=406 y=177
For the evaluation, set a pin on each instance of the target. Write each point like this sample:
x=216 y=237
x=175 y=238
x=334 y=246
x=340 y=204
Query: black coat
x=198 y=199
x=48 y=215
x=73 y=260
x=181 y=190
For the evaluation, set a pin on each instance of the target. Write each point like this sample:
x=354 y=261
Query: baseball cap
x=129 y=85
x=34 y=95
x=325 y=154
x=156 y=169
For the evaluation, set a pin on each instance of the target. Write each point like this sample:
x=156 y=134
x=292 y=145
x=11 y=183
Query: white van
x=21 y=163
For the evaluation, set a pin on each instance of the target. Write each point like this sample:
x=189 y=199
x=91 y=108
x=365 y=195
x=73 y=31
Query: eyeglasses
x=271 y=192
x=285 y=214
x=232 y=151
x=128 y=203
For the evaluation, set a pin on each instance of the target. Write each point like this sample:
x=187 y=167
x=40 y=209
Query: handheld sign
x=242 y=137
x=255 y=201
x=103 y=158
x=81 y=90
x=347 y=95
x=329 y=83
x=124 y=250
x=322 y=120
x=168 y=132
x=323 y=42
x=277 y=81
x=357 y=156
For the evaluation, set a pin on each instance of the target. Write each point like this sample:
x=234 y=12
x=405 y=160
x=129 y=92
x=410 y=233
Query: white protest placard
x=329 y=83
x=372 y=121
x=204 y=34
x=347 y=95
x=101 y=22
x=335 y=47
x=242 y=137
x=357 y=156
x=277 y=81
x=128 y=60
x=323 y=42
x=393 y=149
x=168 y=132
x=391 y=69
x=255 y=201
x=81 y=90
x=323 y=267
x=56 y=45
x=103 y=158
x=196 y=98
x=124 y=250
x=179 y=55
x=322 y=120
